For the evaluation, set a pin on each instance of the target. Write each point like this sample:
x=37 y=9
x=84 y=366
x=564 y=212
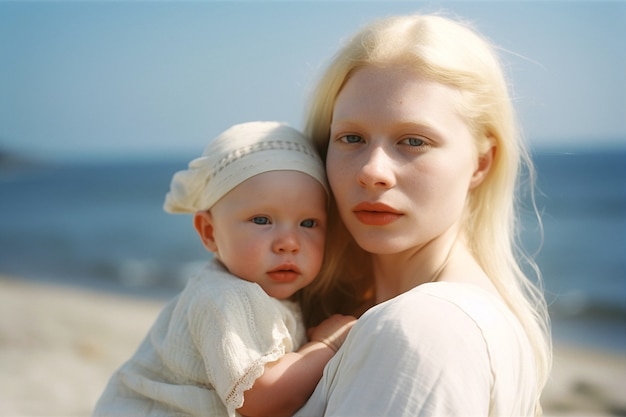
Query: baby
x=232 y=343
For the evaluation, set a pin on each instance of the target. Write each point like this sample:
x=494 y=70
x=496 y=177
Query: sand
x=60 y=344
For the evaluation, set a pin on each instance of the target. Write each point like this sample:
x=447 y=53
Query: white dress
x=206 y=348
x=441 y=349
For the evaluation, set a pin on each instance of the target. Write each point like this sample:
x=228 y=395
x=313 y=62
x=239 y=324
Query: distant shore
x=59 y=345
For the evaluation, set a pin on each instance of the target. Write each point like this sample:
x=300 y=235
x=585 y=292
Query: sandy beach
x=59 y=345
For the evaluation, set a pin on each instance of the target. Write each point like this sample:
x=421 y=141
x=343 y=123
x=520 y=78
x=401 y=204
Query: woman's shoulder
x=452 y=335
x=439 y=297
x=475 y=303
x=444 y=312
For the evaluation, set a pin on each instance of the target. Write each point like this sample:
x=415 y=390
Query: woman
x=417 y=129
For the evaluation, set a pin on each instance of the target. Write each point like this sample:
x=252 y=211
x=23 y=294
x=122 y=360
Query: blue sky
x=110 y=80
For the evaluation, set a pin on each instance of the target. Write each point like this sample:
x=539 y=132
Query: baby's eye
x=351 y=139
x=309 y=223
x=260 y=220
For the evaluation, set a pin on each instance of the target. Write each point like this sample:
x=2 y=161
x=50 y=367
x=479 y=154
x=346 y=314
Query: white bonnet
x=239 y=153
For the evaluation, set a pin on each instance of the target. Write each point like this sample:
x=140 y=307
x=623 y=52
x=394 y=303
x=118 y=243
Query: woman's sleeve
x=421 y=356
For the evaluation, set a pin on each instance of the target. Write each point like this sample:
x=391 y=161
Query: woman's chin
x=378 y=244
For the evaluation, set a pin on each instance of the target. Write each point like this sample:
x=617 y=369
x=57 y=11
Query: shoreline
x=59 y=345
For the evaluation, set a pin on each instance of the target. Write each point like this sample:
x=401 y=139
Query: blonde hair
x=452 y=53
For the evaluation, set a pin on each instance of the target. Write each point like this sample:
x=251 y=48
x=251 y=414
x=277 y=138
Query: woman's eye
x=351 y=138
x=260 y=220
x=309 y=223
x=414 y=141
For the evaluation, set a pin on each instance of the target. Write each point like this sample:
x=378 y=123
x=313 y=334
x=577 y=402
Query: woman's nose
x=376 y=170
x=286 y=242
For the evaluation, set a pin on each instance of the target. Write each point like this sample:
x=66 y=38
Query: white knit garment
x=206 y=348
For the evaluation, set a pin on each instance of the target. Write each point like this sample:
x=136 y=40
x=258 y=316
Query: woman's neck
x=397 y=273
x=452 y=262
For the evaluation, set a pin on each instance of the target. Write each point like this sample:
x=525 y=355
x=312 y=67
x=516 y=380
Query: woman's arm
x=287 y=383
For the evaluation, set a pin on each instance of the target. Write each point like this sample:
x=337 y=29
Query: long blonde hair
x=451 y=53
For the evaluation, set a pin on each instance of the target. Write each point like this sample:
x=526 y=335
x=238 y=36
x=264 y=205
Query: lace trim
x=234 y=399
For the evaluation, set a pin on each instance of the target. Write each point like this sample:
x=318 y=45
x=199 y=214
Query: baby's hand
x=333 y=331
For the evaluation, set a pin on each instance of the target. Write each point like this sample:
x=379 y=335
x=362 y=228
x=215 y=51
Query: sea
x=102 y=226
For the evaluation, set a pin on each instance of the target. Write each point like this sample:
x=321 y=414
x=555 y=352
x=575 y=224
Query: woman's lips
x=375 y=214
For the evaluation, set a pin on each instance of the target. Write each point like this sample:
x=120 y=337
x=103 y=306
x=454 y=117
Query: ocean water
x=103 y=226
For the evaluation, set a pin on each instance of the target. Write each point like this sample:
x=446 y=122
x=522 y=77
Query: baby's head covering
x=239 y=153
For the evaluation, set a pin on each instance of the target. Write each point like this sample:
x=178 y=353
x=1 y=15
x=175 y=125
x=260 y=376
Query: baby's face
x=270 y=230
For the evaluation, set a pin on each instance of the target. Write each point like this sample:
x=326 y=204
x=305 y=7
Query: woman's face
x=401 y=160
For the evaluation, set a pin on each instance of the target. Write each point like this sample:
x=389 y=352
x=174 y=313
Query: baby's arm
x=288 y=382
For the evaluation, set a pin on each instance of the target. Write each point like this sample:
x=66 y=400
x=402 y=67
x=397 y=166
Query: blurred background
x=101 y=102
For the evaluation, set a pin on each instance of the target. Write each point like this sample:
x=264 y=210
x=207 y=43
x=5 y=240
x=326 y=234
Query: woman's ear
x=203 y=222
x=485 y=160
